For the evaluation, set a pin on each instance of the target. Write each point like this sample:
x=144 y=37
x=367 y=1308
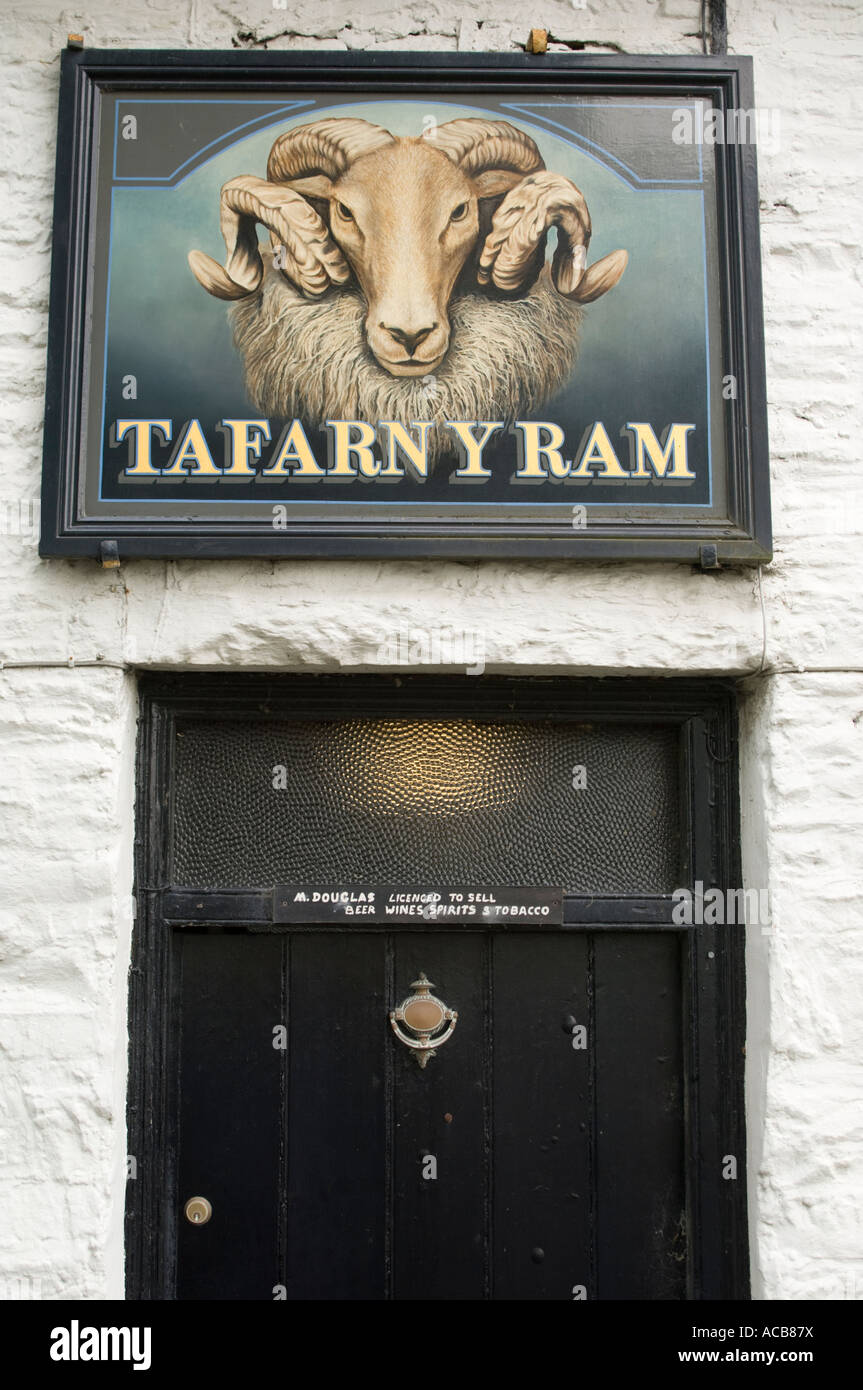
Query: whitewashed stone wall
x=72 y=634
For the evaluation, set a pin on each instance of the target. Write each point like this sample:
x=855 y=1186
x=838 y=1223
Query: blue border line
x=691 y=187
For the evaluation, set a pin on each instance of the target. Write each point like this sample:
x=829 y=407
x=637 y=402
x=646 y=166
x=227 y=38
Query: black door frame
x=704 y=711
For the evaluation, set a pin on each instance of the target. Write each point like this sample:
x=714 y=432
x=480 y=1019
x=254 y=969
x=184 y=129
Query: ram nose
x=408 y=347
x=409 y=341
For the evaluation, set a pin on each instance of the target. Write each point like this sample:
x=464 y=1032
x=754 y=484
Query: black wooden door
x=570 y=1140
x=556 y=1169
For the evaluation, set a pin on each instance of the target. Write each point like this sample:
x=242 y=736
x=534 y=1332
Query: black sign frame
x=741 y=535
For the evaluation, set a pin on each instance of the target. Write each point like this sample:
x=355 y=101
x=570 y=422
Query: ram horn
x=477 y=146
x=324 y=147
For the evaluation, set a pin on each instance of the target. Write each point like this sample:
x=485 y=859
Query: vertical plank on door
x=641 y=1237
x=336 y=1116
x=440 y=1222
x=229 y=1115
x=541 y=1133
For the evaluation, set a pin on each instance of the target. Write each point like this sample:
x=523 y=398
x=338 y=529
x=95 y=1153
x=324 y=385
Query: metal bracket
x=708 y=558
x=109 y=555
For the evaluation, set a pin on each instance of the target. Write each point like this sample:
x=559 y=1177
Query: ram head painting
x=405 y=277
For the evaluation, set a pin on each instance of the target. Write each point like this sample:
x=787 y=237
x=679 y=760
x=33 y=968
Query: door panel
x=229 y=1114
x=640 y=1184
x=542 y=1173
x=336 y=1130
x=440 y=1234
x=556 y=1168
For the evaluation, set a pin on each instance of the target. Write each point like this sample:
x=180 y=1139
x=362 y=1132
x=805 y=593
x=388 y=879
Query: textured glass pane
x=589 y=808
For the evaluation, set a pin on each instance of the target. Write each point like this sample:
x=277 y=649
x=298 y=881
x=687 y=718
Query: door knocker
x=424 y=1015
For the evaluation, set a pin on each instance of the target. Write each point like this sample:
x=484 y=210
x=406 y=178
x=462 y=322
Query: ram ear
x=314 y=186
x=494 y=182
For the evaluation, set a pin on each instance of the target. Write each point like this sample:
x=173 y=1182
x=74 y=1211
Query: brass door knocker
x=425 y=1016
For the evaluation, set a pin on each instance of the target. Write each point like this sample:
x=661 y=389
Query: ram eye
x=458 y=214
x=345 y=213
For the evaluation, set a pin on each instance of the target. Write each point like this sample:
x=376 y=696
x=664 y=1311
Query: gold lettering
x=599 y=449
x=192 y=449
x=243 y=443
x=414 y=452
x=659 y=457
x=532 y=451
x=344 y=447
x=142 y=432
x=472 y=470
x=294 y=447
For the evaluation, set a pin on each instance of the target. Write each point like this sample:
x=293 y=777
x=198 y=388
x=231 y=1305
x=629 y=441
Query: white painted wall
x=76 y=632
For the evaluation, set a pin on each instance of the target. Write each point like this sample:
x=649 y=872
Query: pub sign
x=453 y=305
